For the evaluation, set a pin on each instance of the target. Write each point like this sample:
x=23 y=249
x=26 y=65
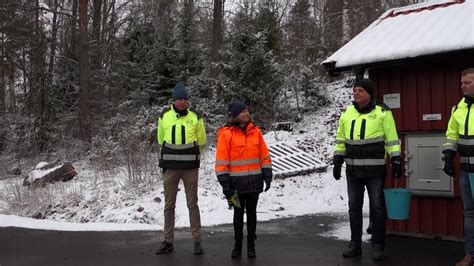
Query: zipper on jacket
x=466 y=124
x=362 y=129
x=173 y=134
x=183 y=135
x=352 y=129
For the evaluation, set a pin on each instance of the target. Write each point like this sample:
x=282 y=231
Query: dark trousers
x=248 y=204
x=355 y=190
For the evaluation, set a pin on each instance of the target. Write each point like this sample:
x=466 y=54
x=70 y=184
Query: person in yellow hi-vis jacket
x=460 y=137
x=182 y=136
x=365 y=135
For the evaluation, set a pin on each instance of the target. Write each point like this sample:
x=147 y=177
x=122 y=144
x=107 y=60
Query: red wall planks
x=424 y=99
x=425 y=90
x=409 y=102
x=382 y=84
x=438 y=103
x=426 y=215
x=456 y=218
x=453 y=90
x=440 y=217
x=414 y=221
x=395 y=86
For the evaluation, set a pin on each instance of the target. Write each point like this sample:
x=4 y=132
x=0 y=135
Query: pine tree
x=252 y=72
x=187 y=43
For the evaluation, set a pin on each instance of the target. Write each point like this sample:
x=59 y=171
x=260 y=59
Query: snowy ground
x=100 y=201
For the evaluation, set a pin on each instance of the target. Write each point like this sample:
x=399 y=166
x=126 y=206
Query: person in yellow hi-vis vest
x=365 y=135
x=182 y=136
x=460 y=137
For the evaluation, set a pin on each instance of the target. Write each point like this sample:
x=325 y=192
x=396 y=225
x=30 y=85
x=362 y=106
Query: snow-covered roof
x=429 y=28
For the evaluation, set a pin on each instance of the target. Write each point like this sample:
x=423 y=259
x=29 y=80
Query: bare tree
x=331 y=20
x=96 y=33
x=217 y=39
x=73 y=29
x=84 y=116
x=53 y=44
x=2 y=87
x=2 y=75
x=346 y=26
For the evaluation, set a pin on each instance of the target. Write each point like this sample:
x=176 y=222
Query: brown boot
x=466 y=261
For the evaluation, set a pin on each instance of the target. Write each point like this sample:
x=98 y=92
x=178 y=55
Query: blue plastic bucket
x=471 y=181
x=397 y=201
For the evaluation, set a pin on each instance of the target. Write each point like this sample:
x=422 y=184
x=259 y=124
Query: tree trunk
x=11 y=104
x=73 y=31
x=217 y=40
x=96 y=29
x=3 y=64
x=84 y=116
x=96 y=53
x=2 y=93
x=346 y=27
x=37 y=82
x=52 y=48
x=332 y=21
x=111 y=31
x=103 y=32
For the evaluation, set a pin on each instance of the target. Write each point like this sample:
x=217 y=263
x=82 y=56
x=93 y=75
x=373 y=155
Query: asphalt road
x=291 y=241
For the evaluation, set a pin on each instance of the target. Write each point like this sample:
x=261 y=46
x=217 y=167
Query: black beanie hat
x=367 y=85
x=179 y=92
x=236 y=107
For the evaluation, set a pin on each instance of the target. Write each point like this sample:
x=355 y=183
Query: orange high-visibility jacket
x=242 y=159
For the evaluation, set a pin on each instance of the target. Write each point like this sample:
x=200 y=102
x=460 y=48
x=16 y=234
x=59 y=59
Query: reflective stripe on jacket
x=181 y=138
x=460 y=134
x=364 y=139
x=242 y=159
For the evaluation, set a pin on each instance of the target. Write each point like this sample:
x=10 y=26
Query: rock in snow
x=45 y=173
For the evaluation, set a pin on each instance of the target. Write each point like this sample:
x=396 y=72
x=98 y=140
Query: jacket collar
x=367 y=109
x=468 y=99
x=250 y=126
x=180 y=112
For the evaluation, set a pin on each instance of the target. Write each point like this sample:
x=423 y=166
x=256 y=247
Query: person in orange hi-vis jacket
x=243 y=164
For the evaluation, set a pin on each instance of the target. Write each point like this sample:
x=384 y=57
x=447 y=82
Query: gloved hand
x=449 y=168
x=267 y=185
x=227 y=194
x=338 y=160
x=449 y=162
x=397 y=167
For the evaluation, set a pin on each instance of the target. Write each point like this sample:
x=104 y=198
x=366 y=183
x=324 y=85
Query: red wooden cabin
x=415 y=56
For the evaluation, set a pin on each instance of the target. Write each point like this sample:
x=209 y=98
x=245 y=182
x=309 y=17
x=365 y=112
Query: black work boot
x=353 y=250
x=198 y=250
x=251 y=247
x=165 y=247
x=377 y=253
x=237 y=251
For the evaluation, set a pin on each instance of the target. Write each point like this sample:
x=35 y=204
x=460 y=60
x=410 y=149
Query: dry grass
x=31 y=201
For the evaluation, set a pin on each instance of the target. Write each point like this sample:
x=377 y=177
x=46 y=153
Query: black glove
x=449 y=162
x=227 y=194
x=267 y=185
x=396 y=167
x=336 y=171
x=449 y=168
